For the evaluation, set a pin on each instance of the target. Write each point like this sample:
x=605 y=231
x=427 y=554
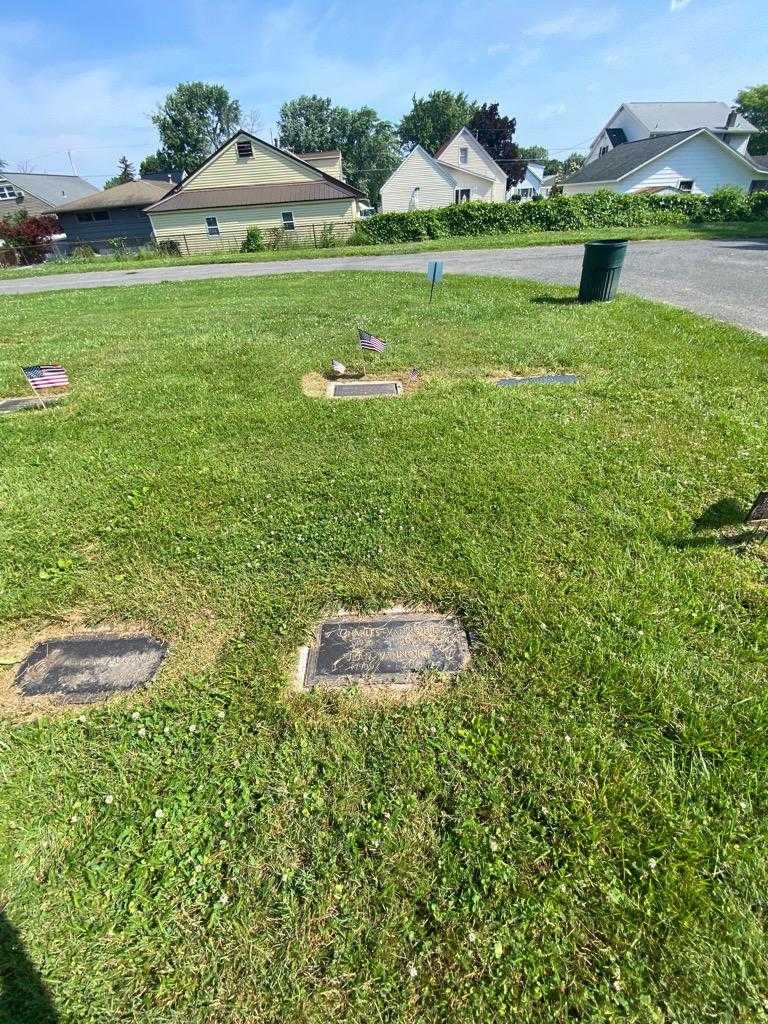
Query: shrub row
x=563 y=213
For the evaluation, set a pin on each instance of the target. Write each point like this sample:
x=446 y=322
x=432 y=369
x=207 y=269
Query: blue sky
x=85 y=76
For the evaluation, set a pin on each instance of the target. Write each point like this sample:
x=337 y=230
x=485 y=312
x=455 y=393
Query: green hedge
x=563 y=213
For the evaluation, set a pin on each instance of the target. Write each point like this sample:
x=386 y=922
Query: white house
x=532 y=183
x=461 y=170
x=686 y=147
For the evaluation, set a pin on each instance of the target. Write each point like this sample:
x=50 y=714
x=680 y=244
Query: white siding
x=476 y=161
x=416 y=171
x=480 y=188
x=701 y=160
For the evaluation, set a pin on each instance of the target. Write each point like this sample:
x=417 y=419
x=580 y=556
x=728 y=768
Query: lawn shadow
x=758 y=246
x=721 y=514
x=725 y=512
x=555 y=300
x=24 y=998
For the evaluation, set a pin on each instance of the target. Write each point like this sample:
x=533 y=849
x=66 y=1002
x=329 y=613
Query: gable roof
x=464 y=170
x=678 y=117
x=50 y=188
x=350 y=190
x=230 y=196
x=630 y=156
x=481 y=150
x=132 y=193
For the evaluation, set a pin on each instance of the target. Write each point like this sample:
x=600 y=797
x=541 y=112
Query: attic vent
x=244 y=149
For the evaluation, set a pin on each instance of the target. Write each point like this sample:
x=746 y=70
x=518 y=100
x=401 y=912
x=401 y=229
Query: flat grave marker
x=89 y=668
x=26 y=402
x=542 y=378
x=385 y=649
x=758 y=514
x=365 y=389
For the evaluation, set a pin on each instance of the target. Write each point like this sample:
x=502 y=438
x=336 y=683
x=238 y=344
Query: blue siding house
x=115 y=213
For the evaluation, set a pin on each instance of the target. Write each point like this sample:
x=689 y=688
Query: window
x=7 y=192
x=244 y=149
x=86 y=218
x=758 y=186
x=525 y=192
x=463 y=195
x=212 y=226
x=288 y=224
x=464 y=155
x=686 y=185
x=603 y=151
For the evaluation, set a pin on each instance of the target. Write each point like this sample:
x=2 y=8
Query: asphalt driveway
x=726 y=279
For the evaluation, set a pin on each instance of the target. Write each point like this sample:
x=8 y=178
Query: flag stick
x=431 y=290
x=35 y=392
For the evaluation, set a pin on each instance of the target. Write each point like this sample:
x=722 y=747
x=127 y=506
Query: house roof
x=626 y=158
x=464 y=170
x=253 y=195
x=760 y=162
x=486 y=155
x=630 y=156
x=132 y=193
x=51 y=188
x=678 y=117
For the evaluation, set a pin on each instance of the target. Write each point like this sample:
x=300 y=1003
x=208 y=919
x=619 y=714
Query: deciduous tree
x=369 y=145
x=753 y=104
x=29 y=238
x=434 y=120
x=193 y=121
x=495 y=133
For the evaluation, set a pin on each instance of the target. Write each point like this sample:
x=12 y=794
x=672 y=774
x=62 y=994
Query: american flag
x=371 y=342
x=42 y=377
x=414 y=374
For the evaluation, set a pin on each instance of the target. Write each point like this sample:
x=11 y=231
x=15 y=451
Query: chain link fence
x=323 y=235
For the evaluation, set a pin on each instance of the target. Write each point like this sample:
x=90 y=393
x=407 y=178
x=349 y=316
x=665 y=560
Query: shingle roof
x=620 y=161
x=132 y=193
x=253 y=195
x=51 y=188
x=680 y=117
x=759 y=161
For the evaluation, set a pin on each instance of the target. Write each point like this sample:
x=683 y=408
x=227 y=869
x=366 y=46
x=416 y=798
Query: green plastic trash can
x=601 y=269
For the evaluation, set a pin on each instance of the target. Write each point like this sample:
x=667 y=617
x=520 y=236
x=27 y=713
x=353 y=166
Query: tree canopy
x=753 y=104
x=193 y=121
x=125 y=173
x=432 y=121
x=494 y=133
x=537 y=153
x=369 y=145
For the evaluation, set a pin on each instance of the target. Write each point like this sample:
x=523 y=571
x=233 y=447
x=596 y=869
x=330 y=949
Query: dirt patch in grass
x=315 y=385
x=199 y=642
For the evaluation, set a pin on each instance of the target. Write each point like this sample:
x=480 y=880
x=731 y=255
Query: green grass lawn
x=756 y=229
x=575 y=829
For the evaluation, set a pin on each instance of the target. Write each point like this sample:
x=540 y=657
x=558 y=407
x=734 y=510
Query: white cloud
x=579 y=24
x=677 y=5
x=552 y=110
x=498 y=48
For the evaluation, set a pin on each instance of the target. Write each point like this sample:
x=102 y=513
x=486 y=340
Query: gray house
x=39 y=193
x=116 y=212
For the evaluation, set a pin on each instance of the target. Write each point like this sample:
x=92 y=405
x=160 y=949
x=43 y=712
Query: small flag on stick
x=370 y=342
x=42 y=377
x=414 y=374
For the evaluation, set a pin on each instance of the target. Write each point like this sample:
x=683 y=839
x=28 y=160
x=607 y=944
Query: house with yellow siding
x=249 y=182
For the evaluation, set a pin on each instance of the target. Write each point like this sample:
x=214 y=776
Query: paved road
x=726 y=279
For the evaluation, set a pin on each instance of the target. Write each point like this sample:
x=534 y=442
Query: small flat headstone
x=18 y=404
x=545 y=378
x=87 y=669
x=365 y=389
x=759 y=511
x=385 y=649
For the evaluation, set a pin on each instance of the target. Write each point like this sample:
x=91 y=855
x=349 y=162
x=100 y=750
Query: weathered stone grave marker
x=19 y=404
x=365 y=389
x=89 y=668
x=390 y=648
